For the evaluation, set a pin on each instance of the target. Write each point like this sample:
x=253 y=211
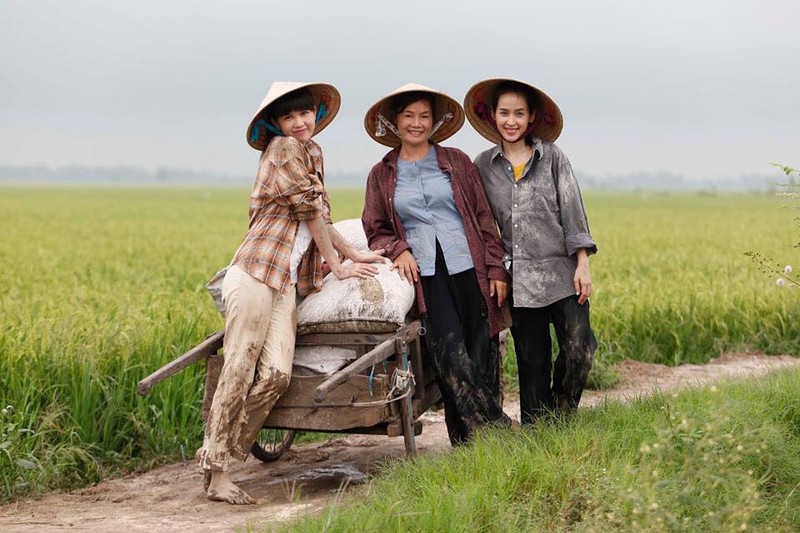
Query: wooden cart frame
x=383 y=391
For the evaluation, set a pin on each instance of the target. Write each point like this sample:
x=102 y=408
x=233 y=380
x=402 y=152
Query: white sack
x=372 y=305
x=311 y=360
x=353 y=232
x=376 y=304
x=353 y=305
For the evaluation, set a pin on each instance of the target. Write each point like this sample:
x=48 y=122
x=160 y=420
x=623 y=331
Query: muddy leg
x=469 y=402
x=273 y=371
x=576 y=344
x=532 y=345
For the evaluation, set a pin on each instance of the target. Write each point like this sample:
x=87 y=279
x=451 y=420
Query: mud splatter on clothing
x=542 y=221
x=538 y=395
x=260 y=325
x=465 y=357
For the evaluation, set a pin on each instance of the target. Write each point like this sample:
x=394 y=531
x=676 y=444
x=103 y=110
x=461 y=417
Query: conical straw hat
x=547 y=124
x=442 y=103
x=324 y=95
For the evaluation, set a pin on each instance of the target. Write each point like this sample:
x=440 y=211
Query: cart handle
x=201 y=351
x=374 y=356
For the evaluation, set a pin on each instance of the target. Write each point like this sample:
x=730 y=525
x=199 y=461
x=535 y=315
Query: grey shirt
x=423 y=198
x=542 y=222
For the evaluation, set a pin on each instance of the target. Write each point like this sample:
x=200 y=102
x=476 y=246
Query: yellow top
x=518 y=170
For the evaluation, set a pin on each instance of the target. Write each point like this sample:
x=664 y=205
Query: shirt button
x=516 y=185
x=515 y=205
x=516 y=225
x=516 y=246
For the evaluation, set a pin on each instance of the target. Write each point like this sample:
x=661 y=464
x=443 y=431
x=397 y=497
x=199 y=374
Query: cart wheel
x=271 y=443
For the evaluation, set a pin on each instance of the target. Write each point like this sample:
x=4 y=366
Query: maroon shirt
x=384 y=230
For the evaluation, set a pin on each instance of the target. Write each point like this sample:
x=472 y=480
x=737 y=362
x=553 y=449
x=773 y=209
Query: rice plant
x=101 y=286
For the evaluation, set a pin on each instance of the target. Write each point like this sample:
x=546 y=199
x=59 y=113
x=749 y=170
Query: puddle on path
x=323 y=479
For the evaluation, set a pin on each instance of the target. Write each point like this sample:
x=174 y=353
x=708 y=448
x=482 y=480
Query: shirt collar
x=538 y=146
x=312 y=147
x=443 y=161
x=391 y=157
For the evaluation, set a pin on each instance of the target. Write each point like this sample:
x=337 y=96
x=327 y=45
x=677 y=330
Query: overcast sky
x=704 y=88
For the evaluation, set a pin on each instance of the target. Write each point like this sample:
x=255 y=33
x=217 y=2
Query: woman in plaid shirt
x=278 y=258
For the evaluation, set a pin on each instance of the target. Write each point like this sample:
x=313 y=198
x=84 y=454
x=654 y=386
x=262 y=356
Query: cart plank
x=295 y=409
x=374 y=356
x=203 y=350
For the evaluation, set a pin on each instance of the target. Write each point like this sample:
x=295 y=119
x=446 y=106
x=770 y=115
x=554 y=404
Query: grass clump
x=726 y=458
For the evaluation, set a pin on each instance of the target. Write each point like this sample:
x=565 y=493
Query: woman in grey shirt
x=538 y=207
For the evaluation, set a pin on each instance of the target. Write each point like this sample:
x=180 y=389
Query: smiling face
x=414 y=122
x=298 y=124
x=513 y=116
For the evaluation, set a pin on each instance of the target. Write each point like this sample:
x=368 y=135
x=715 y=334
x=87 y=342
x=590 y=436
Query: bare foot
x=222 y=489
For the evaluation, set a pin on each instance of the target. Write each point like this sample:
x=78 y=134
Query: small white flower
x=787 y=269
x=780 y=282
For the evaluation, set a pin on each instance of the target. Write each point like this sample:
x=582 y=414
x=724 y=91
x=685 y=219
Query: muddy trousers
x=465 y=357
x=260 y=325
x=533 y=345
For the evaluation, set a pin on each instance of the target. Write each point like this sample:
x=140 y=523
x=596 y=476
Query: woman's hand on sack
x=368 y=256
x=354 y=270
x=500 y=289
x=406 y=266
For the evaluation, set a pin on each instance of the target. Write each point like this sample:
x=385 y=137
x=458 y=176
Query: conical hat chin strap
x=322 y=112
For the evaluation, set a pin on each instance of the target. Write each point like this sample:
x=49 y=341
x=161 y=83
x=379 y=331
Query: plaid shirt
x=288 y=188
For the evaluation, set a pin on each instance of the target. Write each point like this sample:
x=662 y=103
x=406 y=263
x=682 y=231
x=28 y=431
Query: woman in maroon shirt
x=460 y=281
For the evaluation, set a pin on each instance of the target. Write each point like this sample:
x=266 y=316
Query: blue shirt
x=423 y=199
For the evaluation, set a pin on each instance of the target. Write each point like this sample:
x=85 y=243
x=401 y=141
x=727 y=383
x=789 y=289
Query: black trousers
x=533 y=346
x=465 y=357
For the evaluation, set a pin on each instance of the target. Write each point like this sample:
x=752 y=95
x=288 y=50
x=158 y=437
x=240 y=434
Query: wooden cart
x=383 y=391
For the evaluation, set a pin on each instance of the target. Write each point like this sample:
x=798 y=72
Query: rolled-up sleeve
x=326 y=207
x=573 y=213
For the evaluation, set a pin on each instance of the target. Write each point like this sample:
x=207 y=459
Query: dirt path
x=170 y=499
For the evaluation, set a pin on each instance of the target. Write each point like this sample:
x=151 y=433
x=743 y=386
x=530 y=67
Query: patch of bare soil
x=307 y=477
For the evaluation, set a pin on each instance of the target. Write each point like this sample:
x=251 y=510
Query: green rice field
x=101 y=286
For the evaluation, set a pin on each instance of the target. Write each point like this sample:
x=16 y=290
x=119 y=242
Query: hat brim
x=547 y=124
x=442 y=104
x=322 y=93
